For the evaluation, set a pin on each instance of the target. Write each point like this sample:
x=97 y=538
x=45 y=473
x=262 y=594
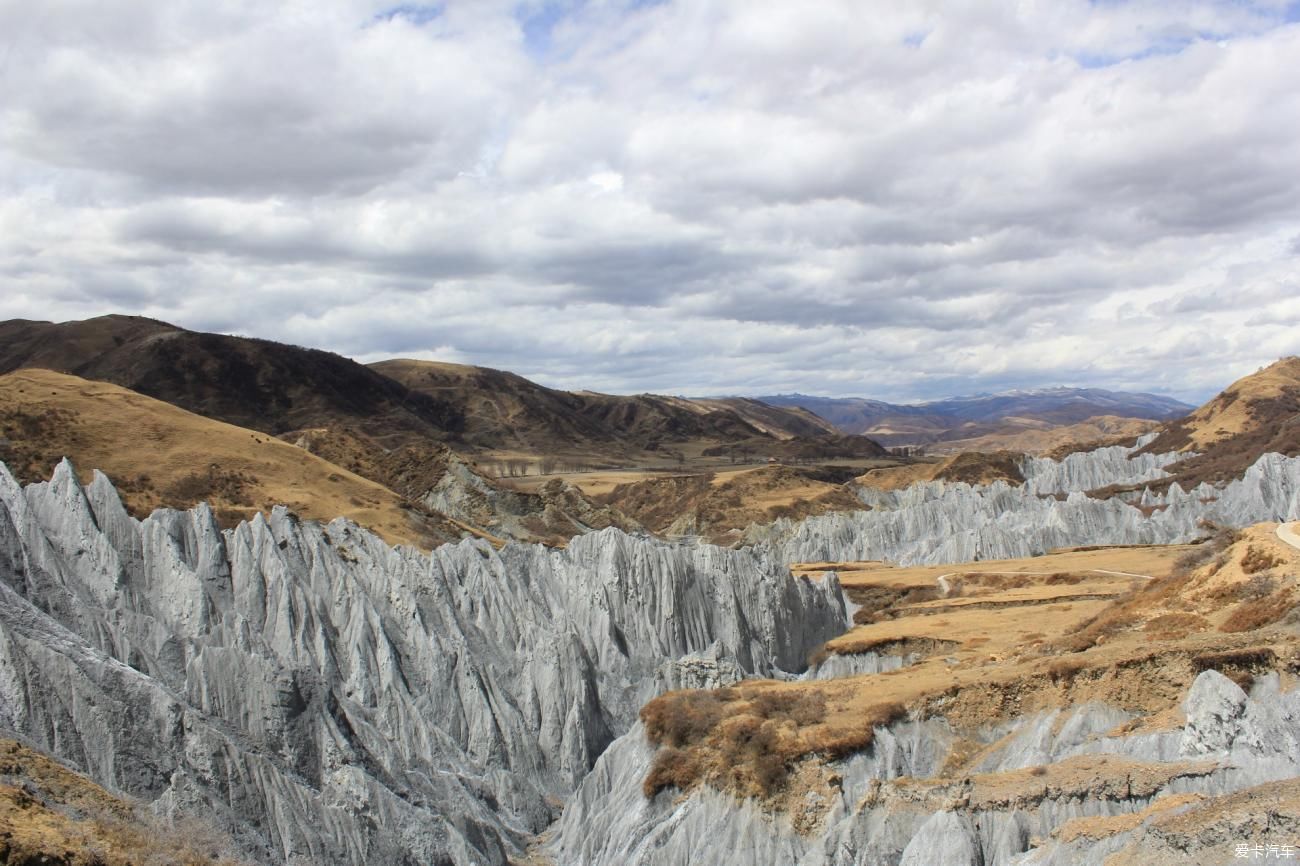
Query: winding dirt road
x=1290 y=533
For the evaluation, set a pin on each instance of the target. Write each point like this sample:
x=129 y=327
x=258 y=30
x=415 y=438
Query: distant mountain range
x=963 y=418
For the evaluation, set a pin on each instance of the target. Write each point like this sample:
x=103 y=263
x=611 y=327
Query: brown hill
x=972 y=467
x=506 y=412
x=161 y=455
x=1255 y=415
x=719 y=505
x=783 y=422
x=258 y=384
x=281 y=389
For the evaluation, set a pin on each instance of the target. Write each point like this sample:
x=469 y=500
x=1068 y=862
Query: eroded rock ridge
x=336 y=700
x=937 y=522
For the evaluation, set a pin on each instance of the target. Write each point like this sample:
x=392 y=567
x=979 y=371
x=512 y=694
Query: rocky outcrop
x=1036 y=776
x=555 y=513
x=1092 y=470
x=332 y=699
x=938 y=522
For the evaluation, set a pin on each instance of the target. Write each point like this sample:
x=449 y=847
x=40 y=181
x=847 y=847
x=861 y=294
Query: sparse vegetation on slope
x=53 y=816
x=996 y=642
x=1255 y=415
x=968 y=467
x=160 y=455
x=719 y=505
x=506 y=412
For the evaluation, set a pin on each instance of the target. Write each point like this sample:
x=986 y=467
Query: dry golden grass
x=719 y=505
x=159 y=454
x=1230 y=413
x=970 y=467
x=1095 y=829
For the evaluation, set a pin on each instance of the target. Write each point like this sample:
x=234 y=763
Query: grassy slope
x=159 y=454
x=1257 y=414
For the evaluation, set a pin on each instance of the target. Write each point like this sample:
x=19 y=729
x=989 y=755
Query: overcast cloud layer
x=688 y=197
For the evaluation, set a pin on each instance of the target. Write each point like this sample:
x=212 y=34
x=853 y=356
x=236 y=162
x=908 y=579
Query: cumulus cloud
x=692 y=197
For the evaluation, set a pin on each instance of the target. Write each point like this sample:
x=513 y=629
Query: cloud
x=693 y=197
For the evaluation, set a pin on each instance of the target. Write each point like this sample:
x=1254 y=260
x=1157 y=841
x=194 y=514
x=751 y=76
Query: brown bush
x=214 y=484
x=1171 y=626
x=682 y=718
x=1192 y=559
x=1063 y=577
x=803 y=707
x=918 y=595
x=1112 y=620
x=672 y=768
x=1255 y=560
x=1220 y=538
x=744 y=743
x=839 y=744
x=1258 y=657
x=1064 y=670
x=1258 y=613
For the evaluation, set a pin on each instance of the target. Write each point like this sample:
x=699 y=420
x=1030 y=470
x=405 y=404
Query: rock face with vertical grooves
x=1101 y=467
x=938 y=522
x=336 y=700
x=1231 y=742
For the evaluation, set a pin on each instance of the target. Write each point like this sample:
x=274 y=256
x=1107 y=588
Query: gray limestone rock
x=938 y=522
x=336 y=700
x=946 y=838
x=1215 y=709
x=1248 y=740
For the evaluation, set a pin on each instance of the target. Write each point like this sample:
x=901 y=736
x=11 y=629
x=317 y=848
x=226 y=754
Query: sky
x=893 y=200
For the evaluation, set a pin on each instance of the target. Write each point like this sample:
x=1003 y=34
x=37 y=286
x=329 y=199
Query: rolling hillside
x=1257 y=414
x=160 y=455
x=266 y=386
x=504 y=411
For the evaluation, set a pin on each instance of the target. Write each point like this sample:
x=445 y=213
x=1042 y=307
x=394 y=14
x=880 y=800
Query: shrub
x=743 y=743
x=839 y=744
x=1255 y=560
x=672 y=768
x=1171 y=626
x=1258 y=613
x=682 y=718
x=803 y=707
x=1064 y=670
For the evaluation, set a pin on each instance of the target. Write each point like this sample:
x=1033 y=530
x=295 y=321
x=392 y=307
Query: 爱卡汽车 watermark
x=1246 y=850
